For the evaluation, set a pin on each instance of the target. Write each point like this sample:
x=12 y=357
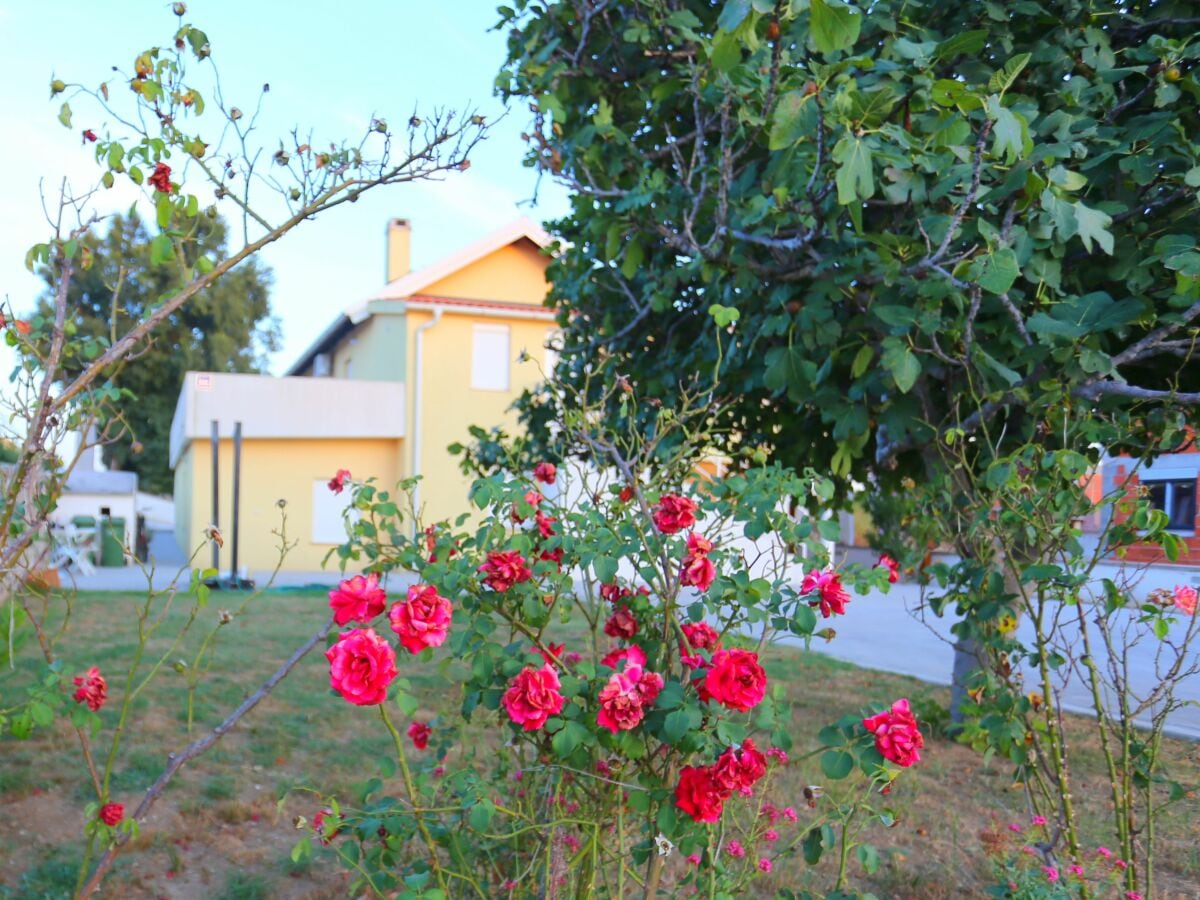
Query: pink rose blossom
x=1051 y=873
x=357 y=599
x=764 y=865
x=832 y=597
x=770 y=835
x=1185 y=599
x=1038 y=820
x=1104 y=852
x=621 y=707
x=1014 y=827
x=896 y=734
x=693 y=859
x=92 y=689
x=1076 y=870
x=893 y=568
x=734 y=849
x=698 y=572
x=789 y=813
x=423 y=620
x=533 y=697
x=361 y=666
x=545 y=472
x=631 y=655
x=338 y=482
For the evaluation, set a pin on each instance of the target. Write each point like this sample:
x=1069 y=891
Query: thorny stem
x=413 y=799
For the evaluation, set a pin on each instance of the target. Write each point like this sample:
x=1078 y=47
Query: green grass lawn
x=219 y=832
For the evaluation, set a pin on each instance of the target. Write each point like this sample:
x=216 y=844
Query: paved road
x=880 y=631
x=891 y=633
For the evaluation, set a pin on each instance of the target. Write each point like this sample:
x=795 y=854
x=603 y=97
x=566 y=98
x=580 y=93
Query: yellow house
x=385 y=389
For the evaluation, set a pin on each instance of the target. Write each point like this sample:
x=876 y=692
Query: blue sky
x=331 y=67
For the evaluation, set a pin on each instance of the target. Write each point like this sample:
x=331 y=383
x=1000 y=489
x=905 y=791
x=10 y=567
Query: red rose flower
x=419 y=733
x=698 y=795
x=893 y=568
x=828 y=585
x=503 y=569
x=545 y=472
x=698 y=545
x=736 y=680
x=357 y=599
x=338 y=482
x=90 y=136
x=739 y=769
x=160 y=178
x=545 y=524
x=92 y=689
x=626 y=494
x=896 y=735
x=698 y=572
x=702 y=636
x=533 y=697
x=632 y=655
x=621 y=624
x=551 y=652
x=674 y=514
x=423 y=620
x=555 y=556
x=614 y=592
x=649 y=686
x=361 y=666
x=111 y=814
x=318 y=824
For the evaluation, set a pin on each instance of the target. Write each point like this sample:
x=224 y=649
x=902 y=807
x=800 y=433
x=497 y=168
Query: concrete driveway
x=893 y=633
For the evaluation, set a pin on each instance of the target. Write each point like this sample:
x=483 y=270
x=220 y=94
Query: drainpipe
x=418 y=368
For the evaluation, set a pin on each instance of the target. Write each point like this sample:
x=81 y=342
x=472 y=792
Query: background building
x=386 y=388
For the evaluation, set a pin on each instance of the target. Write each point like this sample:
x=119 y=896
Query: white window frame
x=488 y=374
x=1169 y=483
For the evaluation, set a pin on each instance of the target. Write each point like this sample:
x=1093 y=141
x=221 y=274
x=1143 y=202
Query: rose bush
x=619 y=731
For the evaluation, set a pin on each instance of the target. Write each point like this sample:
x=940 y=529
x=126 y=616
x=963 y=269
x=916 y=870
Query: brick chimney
x=399 y=242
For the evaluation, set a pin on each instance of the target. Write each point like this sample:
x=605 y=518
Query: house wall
x=275 y=469
x=451 y=405
x=515 y=274
x=185 y=501
x=375 y=351
x=1185 y=465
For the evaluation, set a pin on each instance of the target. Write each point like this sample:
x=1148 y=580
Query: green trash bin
x=112 y=540
x=87 y=523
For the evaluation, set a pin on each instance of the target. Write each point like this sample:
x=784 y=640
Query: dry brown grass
x=218 y=831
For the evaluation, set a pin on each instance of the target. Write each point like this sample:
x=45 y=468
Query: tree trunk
x=967 y=659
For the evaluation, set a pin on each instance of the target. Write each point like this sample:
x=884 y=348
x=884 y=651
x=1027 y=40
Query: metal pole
x=234 y=577
x=216 y=492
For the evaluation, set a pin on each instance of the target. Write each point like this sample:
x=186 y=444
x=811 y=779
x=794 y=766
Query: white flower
x=664 y=846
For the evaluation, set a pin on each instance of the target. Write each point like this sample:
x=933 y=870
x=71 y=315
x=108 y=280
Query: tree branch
x=176 y=761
